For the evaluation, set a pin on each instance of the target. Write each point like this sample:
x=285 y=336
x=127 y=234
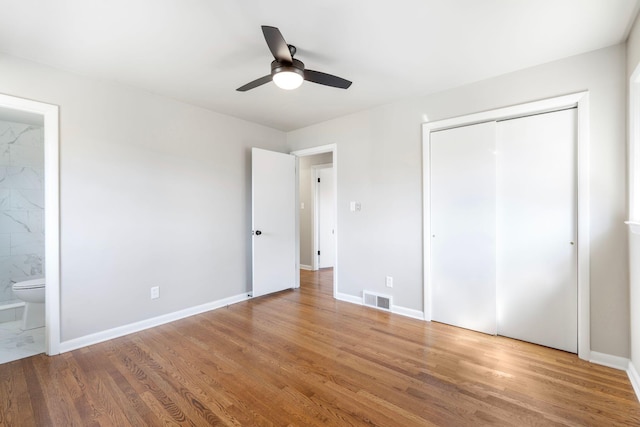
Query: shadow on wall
x=608 y=268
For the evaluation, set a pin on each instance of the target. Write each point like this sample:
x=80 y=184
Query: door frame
x=633 y=151
x=579 y=100
x=315 y=236
x=329 y=148
x=50 y=114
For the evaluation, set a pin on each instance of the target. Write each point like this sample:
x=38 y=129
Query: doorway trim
x=633 y=150
x=579 y=100
x=329 y=148
x=50 y=114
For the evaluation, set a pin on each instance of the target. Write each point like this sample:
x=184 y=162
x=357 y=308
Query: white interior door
x=463 y=227
x=537 y=229
x=326 y=220
x=273 y=221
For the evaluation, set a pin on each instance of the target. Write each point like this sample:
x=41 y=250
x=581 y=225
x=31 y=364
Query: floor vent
x=382 y=302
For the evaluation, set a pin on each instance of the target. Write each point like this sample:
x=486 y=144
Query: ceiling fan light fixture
x=287 y=72
x=288 y=79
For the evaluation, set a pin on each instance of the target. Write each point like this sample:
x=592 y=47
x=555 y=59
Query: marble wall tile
x=32 y=136
x=26 y=155
x=35 y=221
x=5 y=198
x=5 y=154
x=27 y=244
x=14 y=221
x=5 y=244
x=15 y=269
x=6 y=294
x=21 y=199
x=24 y=199
x=24 y=267
x=21 y=145
x=21 y=178
x=16 y=135
x=10 y=132
x=21 y=221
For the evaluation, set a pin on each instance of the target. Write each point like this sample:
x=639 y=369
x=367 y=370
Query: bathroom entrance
x=29 y=254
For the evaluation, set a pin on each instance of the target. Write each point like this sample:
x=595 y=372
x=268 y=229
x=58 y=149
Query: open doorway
x=29 y=242
x=315 y=186
x=317 y=213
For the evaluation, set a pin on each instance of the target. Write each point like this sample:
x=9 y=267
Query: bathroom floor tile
x=17 y=344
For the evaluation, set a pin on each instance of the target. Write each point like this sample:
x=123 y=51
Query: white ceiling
x=200 y=51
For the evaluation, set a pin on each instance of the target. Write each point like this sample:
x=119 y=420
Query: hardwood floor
x=301 y=358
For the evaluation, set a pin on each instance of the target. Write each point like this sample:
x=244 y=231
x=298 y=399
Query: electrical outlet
x=155 y=292
x=389 y=282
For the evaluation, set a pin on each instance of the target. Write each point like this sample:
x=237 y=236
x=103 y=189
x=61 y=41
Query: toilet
x=32 y=293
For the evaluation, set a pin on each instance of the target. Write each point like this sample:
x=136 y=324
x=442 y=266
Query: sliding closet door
x=463 y=227
x=536 y=212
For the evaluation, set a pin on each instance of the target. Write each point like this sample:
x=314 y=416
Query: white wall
x=154 y=192
x=305 y=175
x=633 y=61
x=380 y=166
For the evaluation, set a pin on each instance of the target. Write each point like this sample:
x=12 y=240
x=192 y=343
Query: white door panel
x=273 y=221
x=463 y=227
x=536 y=217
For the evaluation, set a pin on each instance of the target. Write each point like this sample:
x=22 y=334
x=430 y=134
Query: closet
x=503 y=224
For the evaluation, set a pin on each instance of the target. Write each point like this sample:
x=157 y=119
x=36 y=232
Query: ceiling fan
x=287 y=72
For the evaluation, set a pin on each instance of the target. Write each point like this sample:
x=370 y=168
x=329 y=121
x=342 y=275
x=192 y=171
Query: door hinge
x=318 y=252
x=318 y=179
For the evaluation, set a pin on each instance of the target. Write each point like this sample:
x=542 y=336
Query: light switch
x=355 y=206
x=301 y=205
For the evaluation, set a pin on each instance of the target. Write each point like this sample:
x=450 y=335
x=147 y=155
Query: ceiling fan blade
x=326 y=79
x=276 y=43
x=255 y=83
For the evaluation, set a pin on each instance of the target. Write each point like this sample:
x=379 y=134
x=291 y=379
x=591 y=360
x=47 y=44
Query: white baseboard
x=408 y=312
x=615 y=362
x=634 y=378
x=306 y=267
x=349 y=298
x=148 y=323
x=403 y=311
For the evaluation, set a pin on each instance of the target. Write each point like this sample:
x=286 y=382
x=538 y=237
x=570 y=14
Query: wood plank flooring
x=300 y=358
